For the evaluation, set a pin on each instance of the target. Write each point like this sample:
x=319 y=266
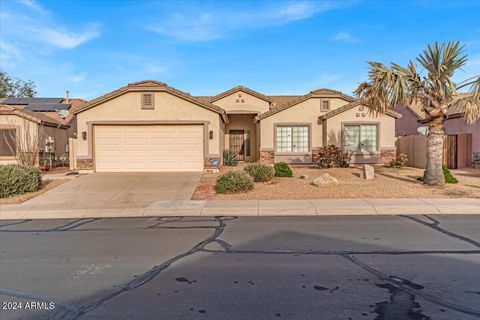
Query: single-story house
x=462 y=140
x=150 y=126
x=37 y=119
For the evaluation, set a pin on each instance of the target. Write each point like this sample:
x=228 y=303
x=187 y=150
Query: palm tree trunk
x=433 y=175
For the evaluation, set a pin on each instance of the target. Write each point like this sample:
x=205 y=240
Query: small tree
x=25 y=141
x=434 y=90
x=15 y=88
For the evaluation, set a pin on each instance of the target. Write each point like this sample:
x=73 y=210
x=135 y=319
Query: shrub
x=332 y=156
x=282 y=169
x=399 y=162
x=16 y=179
x=260 y=172
x=449 y=178
x=229 y=158
x=234 y=181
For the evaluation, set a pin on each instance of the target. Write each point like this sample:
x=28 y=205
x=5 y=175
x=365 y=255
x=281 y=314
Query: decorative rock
x=368 y=172
x=304 y=176
x=324 y=179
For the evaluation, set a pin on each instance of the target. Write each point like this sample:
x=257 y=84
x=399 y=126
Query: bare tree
x=25 y=141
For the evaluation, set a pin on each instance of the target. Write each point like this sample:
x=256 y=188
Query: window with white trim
x=293 y=138
x=360 y=137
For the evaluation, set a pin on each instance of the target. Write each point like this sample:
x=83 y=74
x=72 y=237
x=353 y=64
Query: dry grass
x=46 y=186
x=388 y=183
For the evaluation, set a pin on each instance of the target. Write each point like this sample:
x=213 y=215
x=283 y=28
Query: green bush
x=449 y=178
x=233 y=182
x=260 y=172
x=16 y=179
x=332 y=157
x=229 y=158
x=282 y=169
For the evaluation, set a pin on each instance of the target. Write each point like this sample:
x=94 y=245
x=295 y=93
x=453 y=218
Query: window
x=293 y=138
x=7 y=143
x=361 y=137
x=147 y=101
x=324 y=105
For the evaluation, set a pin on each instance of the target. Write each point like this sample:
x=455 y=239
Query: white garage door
x=148 y=148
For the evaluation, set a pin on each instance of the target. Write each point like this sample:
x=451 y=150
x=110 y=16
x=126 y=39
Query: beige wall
x=305 y=112
x=251 y=103
x=243 y=122
x=127 y=107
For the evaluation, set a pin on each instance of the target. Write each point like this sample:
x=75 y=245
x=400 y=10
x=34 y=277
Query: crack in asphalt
x=15 y=223
x=435 y=225
x=405 y=286
x=149 y=275
x=228 y=250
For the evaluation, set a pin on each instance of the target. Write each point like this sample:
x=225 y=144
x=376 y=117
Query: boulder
x=324 y=179
x=368 y=172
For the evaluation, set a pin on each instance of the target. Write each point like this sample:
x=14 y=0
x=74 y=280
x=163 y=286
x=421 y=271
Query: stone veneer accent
x=85 y=164
x=267 y=156
x=387 y=154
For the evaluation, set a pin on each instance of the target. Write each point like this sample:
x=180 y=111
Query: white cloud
x=40 y=29
x=32 y=4
x=78 y=77
x=194 y=25
x=345 y=37
x=153 y=68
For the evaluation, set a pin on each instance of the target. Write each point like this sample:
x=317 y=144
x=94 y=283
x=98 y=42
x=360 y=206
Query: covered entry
x=148 y=148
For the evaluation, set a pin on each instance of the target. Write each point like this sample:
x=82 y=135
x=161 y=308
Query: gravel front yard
x=388 y=183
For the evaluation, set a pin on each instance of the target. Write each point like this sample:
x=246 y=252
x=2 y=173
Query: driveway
x=118 y=190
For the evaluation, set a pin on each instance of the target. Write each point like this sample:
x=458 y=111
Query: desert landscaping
x=387 y=183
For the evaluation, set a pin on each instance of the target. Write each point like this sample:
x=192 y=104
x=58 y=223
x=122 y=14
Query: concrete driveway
x=118 y=190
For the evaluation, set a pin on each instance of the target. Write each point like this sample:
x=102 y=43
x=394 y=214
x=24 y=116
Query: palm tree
x=433 y=89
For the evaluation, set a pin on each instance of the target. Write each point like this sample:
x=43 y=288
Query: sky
x=275 y=47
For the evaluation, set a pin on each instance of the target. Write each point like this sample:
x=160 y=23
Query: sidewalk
x=257 y=208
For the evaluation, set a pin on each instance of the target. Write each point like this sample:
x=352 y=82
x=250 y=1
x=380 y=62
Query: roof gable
x=152 y=85
x=37 y=117
x=351 y=105
x=240 y=88
x=319 y=93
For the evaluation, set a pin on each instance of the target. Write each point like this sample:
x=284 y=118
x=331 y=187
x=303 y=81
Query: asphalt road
x=364 y=267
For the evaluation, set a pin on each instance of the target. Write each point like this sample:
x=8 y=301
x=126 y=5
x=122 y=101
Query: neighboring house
x=53 y=118
x=150 y=126
x=462 y=139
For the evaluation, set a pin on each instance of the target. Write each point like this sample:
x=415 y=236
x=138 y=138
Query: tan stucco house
x=48 y=122
x=150 y=126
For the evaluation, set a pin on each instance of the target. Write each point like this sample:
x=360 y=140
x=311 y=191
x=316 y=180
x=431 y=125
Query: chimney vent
x=67 y=98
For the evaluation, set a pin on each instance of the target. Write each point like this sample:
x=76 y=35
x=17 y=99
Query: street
x=325 y=267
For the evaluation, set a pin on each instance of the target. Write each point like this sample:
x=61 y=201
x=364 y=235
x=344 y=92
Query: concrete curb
x=323 y=207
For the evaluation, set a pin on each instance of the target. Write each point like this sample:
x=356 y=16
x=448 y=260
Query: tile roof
x=152 y=85
x=37 y=117
x=319 y=93
x=351 y=105
x=240 y=88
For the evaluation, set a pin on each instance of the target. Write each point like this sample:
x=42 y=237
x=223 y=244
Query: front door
x=237 y=143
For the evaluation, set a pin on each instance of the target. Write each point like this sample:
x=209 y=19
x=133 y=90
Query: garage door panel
x=146 y=148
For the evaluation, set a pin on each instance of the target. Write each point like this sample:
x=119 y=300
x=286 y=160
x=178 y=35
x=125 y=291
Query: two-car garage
x=148 y=148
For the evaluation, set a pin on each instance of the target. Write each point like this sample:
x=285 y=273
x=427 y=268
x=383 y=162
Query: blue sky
x=275 y=47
